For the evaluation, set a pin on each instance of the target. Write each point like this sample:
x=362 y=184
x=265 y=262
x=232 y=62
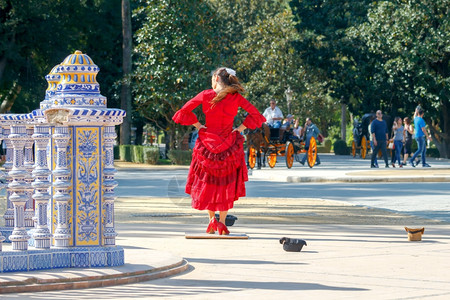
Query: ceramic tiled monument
x=66 y=195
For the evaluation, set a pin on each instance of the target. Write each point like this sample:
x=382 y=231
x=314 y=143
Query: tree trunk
x=6 y=54
x=442 y=143
x=344 y=122
x=168 y=141
x=9 y=99
x=125 y=96
x=441 y=138
x=2 y=66
x=445 y=105
x=139 y=132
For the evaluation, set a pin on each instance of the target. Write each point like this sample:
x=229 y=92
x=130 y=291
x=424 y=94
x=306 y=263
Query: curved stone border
x=293 y=179
x=77 y=257
x=36 y=284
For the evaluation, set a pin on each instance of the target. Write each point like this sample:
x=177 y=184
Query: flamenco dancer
x=218 y=171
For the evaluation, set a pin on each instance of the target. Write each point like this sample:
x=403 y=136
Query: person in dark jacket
x=379 y=136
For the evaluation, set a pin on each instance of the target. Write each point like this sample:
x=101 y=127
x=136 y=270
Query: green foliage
x=324 y=46
x=336 y=71
x=137 y=154
x=334 y=134
x=340 y=148
x=433 y=152
x=151 y=155
x=125 y=152
x=269 y=62
x=413 y=37
x=325 y=147
x=234 y=18
x=36 y=35
x=174 y=56
x=180 y=157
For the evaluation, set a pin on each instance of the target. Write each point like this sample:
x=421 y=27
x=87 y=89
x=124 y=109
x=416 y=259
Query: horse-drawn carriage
x=273 y=142
x=361 y=136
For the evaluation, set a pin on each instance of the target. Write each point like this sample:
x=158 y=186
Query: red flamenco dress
x=218 y=171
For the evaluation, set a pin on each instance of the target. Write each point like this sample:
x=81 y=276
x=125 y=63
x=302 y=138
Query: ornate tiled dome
x=78 y=85
x=52 y=78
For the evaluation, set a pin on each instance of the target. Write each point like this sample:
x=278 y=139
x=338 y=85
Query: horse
x=259 y=140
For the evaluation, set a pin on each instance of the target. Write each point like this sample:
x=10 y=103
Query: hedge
x=125 y=152
x=180 y=157
x=340 y=148
x=139 y=154
x=325 y=147
x=151 y=155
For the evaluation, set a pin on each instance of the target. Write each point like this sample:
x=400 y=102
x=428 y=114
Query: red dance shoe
x=222 y=228
x=212 y=226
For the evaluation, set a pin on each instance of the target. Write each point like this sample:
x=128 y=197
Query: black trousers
x=380 y=145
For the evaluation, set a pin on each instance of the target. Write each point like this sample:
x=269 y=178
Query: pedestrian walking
x=372 y=146
x=397 y=129
x=218 y=171
x=408 y=137
x=421 y=135
x=311 y=130
x=379 y=136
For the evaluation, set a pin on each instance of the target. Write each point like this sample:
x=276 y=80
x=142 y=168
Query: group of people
x=402 y=137
x=274 y=118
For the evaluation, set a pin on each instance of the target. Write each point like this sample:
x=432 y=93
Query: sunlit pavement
x=344 y=259
x=339 y=262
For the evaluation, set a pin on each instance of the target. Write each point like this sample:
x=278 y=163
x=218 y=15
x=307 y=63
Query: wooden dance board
x=231 y=236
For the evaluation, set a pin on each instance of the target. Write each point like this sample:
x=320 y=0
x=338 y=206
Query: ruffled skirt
x=218 y=171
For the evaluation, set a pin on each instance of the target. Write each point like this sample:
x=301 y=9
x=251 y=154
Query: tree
x=174 y=55
x=125 y=96
x=235 y=17
x=411 y=38
x=268 y=61
x=37 y=35
x=271 y=65
x=326 y=49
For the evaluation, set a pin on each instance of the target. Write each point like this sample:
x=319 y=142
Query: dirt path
x=261 y=211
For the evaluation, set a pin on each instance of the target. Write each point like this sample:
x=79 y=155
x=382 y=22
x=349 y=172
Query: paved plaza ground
x=353 y=251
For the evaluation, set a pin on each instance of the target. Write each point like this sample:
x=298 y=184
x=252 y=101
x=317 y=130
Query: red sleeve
x=185 y=116
x=254 y=118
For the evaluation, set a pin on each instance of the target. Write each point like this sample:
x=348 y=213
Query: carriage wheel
x=353 y=148
x=312 y=152
x=289 y=153
x=363 y=147
x=272 y=160
x=251 y=157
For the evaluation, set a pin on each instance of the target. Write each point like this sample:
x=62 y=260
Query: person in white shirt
x=273 y=115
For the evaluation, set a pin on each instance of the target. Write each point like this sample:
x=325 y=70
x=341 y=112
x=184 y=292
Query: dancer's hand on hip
x=241 y=128
x=199 y=126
